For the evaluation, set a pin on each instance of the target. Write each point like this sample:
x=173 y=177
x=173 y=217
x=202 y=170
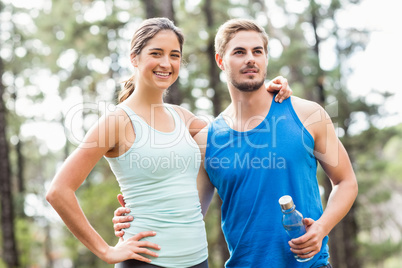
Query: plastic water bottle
x=292 y=221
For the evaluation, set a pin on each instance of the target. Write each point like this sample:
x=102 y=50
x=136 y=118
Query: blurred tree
x=7 y=208
x=80 y=58
x=380 y=187
x=9 y=244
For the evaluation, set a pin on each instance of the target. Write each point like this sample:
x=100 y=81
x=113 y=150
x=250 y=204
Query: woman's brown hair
x=146 y=31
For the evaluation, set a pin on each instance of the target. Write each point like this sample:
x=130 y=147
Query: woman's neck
x=142 y=97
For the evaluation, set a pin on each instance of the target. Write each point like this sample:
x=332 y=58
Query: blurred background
x=62 y=64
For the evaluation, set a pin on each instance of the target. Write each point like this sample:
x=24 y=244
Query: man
x=258 y=150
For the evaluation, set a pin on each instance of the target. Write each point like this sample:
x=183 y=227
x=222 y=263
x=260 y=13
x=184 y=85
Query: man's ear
x=219 y=61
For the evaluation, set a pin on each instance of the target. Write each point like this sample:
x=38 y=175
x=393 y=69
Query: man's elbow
x=356 y=188
x=52 y=194
x=353 y=187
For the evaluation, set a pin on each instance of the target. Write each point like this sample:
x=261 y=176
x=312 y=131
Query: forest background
x=61 y=67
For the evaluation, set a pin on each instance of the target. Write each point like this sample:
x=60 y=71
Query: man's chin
x=249 y=87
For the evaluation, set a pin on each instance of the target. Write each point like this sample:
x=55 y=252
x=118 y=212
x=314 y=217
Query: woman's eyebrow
x=159 y=49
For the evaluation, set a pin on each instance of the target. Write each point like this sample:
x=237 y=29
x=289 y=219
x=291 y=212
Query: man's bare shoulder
x=300 y=103
x=306 y=108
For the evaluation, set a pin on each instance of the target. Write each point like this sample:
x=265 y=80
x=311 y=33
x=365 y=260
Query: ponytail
x=129 y=86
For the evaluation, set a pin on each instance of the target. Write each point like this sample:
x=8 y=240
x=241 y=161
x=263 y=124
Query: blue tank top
x=251 y=171
x=157 y=177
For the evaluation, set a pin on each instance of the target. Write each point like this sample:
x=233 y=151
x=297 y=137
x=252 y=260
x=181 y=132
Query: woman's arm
x=61 y=195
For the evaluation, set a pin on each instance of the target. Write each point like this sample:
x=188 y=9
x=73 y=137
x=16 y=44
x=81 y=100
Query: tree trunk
x=20 y=164
x=10 y=255
x=342 y=242
x=151 y=9
x=214 y=71
x=48 y=247
x=167 y=10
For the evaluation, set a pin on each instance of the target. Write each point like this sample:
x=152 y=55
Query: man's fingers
x=119 y=226
x=305 y=252
x=122 y=219
x=307 y=255
x=141 y=235
x=120 y=198
x=308 y=221
x=119 y=233
x=121 y=211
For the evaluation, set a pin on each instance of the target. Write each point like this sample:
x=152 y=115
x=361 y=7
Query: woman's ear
x=134 y=60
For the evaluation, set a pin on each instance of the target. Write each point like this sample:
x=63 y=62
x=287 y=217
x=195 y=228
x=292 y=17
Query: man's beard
x=248 y=86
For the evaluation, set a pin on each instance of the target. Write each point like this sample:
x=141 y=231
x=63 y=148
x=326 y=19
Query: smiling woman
x=149 y=147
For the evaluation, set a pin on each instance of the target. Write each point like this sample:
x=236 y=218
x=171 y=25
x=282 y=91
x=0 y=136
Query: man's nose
x=250 y=60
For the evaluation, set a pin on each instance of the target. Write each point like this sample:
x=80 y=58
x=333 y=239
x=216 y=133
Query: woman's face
x=159 y=61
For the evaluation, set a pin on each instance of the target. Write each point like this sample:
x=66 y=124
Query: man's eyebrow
x=242 y=48
x=239 y=48
x=259 y=47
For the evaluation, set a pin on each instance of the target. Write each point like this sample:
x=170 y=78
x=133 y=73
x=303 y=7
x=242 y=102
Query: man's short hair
x=227 y=30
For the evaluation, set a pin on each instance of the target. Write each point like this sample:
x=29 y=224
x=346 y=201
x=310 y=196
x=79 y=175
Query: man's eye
x=238 y=52
x=155 y=53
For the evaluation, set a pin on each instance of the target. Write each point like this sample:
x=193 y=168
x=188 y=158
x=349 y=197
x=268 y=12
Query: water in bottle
x=292 y=221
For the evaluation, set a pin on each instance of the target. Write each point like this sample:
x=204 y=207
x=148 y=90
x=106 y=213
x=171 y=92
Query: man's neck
x=247 y=109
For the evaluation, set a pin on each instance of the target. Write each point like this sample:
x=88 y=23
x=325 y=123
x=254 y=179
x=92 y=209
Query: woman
x=150 y=149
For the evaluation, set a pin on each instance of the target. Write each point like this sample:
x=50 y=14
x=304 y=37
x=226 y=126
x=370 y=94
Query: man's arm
x=335 y=161
x=204 y=185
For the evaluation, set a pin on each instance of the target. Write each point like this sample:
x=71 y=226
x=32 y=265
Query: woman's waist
x=165 y=228
x=167 y=218
x=181 y=238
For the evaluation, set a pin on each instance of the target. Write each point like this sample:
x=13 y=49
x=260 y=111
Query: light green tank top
x=157 y=177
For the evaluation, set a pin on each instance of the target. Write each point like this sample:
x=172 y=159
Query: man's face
x=245 y=61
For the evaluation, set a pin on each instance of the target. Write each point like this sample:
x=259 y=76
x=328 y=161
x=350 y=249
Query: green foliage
x=64 y=44
x=377 y=252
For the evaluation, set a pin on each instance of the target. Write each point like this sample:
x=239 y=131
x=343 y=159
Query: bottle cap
x=286 y=202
